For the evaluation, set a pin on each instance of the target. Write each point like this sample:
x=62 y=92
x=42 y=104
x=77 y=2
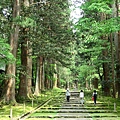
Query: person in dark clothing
x=95 y=96
x=68 y=95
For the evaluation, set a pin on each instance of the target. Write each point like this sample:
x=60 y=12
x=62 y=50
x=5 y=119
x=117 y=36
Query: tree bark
x=9 y=91
x=117 y=46
x=23 y=84
x=29 y=69
x=37 y=83
x=55 y=77
x=113 y=73
x=118 y=65
x=105 y=82
x=48 y=75
x=58 y=77
x=39 y=76
x=26 y=62
x=41 y=73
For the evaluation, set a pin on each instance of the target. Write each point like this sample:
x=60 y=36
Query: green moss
x=43 y=114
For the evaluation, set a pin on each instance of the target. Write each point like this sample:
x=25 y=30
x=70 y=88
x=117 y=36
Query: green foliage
x=90 y=30
x=63 y=82
x=5 y=54
x=98 y=26
x=24 y=21
x=107 y=26
x=5 y=50
x=86 y=71
x=100 y=7
x=65 y=74
x=52 y=34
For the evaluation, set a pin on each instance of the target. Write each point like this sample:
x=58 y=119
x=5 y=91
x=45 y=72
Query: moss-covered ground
x=25 y=106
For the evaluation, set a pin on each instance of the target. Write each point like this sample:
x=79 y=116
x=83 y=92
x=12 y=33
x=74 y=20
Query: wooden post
x=114 y=107
x=10 y=113
x=108 y=103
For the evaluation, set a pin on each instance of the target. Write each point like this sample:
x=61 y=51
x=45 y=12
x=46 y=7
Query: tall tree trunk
x=117 y=46
x=26 y=62
x=26 y=71
x=113 y=36
x=37 y=84
x=118 y=66
x=48 y=75
x=29 y=69
x=40 y=76
x=47 y=81
x=23 y=84
x=43 y=77
x=117 y=41
x=113 y=73
x=55 y=77
x=41 y=73
x=106 y=84
x=58 y=78
x=9 y=91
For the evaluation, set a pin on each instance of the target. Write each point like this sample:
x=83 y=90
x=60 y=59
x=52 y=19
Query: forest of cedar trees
x=42 y=47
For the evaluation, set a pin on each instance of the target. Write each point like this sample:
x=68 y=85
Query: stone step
x=73 y=119
x=103 y=118
x=63 y=119
x=74 y=111
x=62 y=115
x=75 y=115
x=78 y=102
x=83 y=111
x=82 y=107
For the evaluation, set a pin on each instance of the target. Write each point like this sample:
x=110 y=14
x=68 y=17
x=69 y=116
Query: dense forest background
x=42 y=47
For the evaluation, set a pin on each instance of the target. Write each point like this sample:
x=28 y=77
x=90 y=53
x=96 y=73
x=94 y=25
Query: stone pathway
x=73 y=110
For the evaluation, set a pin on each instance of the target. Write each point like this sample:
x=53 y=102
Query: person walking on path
x=68 y=95
x=81 y=97
x=94 y=95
